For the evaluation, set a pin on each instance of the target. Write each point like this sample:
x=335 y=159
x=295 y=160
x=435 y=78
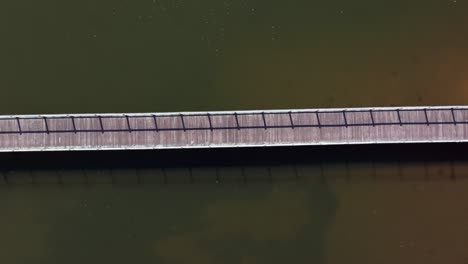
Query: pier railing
x=290 y=119
x=234 y=128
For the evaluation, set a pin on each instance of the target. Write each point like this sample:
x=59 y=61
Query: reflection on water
x=252 y=214
x=182 y=215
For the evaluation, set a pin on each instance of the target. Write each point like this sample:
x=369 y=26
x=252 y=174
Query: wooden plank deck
x=233 y=128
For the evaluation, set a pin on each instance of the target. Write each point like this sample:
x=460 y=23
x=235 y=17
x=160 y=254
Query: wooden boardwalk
x=233 y=129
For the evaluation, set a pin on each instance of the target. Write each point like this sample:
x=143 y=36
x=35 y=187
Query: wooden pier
x=233 y=129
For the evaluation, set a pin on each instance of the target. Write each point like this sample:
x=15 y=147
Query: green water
x=331 y=213
x=169 y=55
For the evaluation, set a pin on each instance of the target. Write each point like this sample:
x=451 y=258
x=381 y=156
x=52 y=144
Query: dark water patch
x=192 y=158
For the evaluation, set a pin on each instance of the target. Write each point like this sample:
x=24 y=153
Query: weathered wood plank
x=233 y=129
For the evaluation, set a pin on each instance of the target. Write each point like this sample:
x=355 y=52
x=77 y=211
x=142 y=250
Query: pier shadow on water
x=265 y=206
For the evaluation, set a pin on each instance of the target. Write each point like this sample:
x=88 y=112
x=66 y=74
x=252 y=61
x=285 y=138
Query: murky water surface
x=173 y=55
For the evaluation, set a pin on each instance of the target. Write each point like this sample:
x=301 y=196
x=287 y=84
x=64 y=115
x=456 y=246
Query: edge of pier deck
x=233 y=129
